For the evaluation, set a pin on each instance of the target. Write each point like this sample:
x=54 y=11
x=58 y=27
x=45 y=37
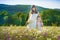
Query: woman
x=32 y=21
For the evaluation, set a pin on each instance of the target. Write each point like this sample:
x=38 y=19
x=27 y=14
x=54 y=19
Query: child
x=39 y=23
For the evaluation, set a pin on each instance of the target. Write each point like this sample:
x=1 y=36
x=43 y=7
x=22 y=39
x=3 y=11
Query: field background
x=13 y=20
x=22 y=33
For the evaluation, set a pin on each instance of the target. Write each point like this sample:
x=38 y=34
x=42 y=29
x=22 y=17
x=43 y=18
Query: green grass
x=22 y=33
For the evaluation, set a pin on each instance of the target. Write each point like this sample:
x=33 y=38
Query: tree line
x=49 y=17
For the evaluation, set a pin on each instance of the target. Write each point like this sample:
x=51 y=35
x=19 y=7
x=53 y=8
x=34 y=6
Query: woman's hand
x=28 y=21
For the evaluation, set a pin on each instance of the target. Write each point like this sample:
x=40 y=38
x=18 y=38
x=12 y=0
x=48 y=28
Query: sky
x=53 y=4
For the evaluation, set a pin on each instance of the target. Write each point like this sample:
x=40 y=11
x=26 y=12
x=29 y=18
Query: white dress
x=32 y=23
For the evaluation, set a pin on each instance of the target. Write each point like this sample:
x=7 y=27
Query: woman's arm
x=29 y=17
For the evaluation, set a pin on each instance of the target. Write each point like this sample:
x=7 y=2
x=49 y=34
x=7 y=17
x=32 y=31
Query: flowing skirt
x=32 y=24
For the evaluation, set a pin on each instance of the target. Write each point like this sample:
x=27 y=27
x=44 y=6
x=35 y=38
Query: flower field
x=22 y=33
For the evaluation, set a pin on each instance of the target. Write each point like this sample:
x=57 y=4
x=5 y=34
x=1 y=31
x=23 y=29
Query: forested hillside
x=18 y=15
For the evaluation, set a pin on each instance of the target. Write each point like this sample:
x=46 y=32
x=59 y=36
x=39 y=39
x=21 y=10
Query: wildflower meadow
x=22 y=33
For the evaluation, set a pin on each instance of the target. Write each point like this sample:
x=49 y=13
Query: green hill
x=18 y=8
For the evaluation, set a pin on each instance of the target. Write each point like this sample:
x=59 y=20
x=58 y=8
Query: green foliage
x=3 y=17
x=18 y=18
x=51 y=17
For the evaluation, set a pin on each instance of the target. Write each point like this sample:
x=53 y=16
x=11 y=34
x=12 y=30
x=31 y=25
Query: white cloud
x=43 y=3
